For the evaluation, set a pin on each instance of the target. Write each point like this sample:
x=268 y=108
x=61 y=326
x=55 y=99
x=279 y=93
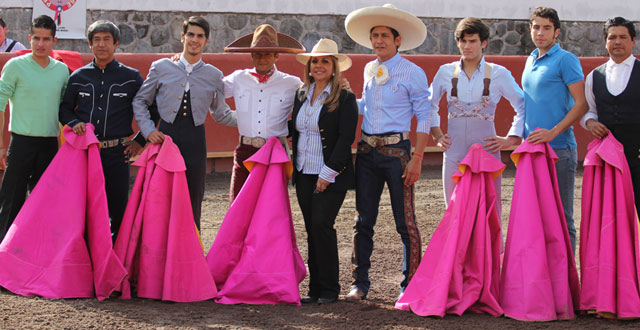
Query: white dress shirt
x=262 y=108
x=617 y=78
x=189 y=68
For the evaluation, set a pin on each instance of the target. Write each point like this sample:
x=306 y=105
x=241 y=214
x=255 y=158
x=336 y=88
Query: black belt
x=112 y=143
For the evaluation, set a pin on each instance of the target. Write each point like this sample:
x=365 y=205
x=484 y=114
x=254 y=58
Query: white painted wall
x=572 y=10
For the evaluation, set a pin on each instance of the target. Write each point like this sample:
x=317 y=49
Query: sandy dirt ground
x=17 y=312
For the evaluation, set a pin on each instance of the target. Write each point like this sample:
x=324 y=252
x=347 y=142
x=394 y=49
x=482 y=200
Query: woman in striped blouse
x=323 y=127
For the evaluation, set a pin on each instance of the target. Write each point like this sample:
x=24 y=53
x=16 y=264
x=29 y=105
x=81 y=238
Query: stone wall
x=159 y=32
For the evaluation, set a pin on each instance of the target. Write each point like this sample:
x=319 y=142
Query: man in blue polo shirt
x=553 y=86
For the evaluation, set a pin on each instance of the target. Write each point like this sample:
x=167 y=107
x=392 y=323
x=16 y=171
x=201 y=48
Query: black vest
x=621 y=114
x=623 y=109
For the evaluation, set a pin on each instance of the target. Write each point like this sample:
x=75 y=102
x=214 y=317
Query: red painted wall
x=221 y=138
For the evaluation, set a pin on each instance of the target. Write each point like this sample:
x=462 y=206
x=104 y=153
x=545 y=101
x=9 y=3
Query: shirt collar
x=627 y=62
x=392 y=61
x=270 y=73
x=109 y=66
x=554 y=49
x=30 y=57
x=480 y=65
x=326 y=90
x=188 y=66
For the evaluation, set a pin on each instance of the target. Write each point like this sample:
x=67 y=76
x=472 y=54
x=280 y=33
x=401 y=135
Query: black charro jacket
x=337 y=130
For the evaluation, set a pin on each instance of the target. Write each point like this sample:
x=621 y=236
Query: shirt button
x=98 y=122
x=99 y=108
x=185 y=107
x=179 y=97
x=100 y=95
x=174 y=111
x=184 y=114
x=259 y=100
x=258 y=122
x=261 y=91
x=185 y=101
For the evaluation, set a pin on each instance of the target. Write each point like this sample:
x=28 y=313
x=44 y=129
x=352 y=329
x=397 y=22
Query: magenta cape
x=609 y=262
x=539 y=277
x=254 y=258
x=158 y=241
x=460 y=270
x=59 y=245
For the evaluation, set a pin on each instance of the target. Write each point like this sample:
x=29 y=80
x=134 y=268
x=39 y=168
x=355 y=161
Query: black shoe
x=309 y=300
x=322 y=301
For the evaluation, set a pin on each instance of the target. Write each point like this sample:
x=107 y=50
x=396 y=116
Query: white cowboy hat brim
x=344 y=62
x=360 y=22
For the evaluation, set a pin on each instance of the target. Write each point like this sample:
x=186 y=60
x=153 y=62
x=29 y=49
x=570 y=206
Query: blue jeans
x=374 y=167
x=566 y=171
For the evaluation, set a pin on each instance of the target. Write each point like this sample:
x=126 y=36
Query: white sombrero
x=326 y=47
x=360 y=22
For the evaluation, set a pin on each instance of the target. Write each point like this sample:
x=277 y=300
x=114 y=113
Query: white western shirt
x=262 y=108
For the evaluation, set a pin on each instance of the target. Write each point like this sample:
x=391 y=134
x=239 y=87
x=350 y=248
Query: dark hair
x=197 y=21
x=393 y=31
x=2 y=23
x=471 y=26
x=43 y=22
x=548 y=13
x=619 y=21
x=103 y=26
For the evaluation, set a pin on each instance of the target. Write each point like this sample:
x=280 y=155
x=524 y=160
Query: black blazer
x=337 y=130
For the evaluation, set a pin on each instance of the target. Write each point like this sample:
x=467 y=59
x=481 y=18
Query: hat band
x=264 y=41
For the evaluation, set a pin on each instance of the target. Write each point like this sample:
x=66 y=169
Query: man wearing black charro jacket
x=611 y=91
x=101 y=93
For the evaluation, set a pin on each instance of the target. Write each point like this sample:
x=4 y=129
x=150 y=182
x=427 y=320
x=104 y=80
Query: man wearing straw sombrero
x=263 y=95
x=394 y=91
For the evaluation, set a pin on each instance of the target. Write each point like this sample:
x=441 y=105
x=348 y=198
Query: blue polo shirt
x=547 y=99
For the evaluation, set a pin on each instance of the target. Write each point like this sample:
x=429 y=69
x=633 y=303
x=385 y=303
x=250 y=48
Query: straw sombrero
x=265 y=39
x=326 y=47
x=360 y=22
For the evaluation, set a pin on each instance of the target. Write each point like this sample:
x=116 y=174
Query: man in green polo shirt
x=33 y=84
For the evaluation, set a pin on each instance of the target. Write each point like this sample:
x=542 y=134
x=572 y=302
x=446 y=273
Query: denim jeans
x=566 y=171
x=374 y=168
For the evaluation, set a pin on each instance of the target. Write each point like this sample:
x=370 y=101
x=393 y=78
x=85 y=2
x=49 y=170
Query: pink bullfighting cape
x=158 y=241
x=59 y=245
x=539 y=277
x=460 y=270
x=254 y=258
x=609 y=262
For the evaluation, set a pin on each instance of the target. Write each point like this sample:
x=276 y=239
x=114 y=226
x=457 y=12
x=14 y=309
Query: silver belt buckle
x=369 y=140
x=257 y=142
x=392 y=140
